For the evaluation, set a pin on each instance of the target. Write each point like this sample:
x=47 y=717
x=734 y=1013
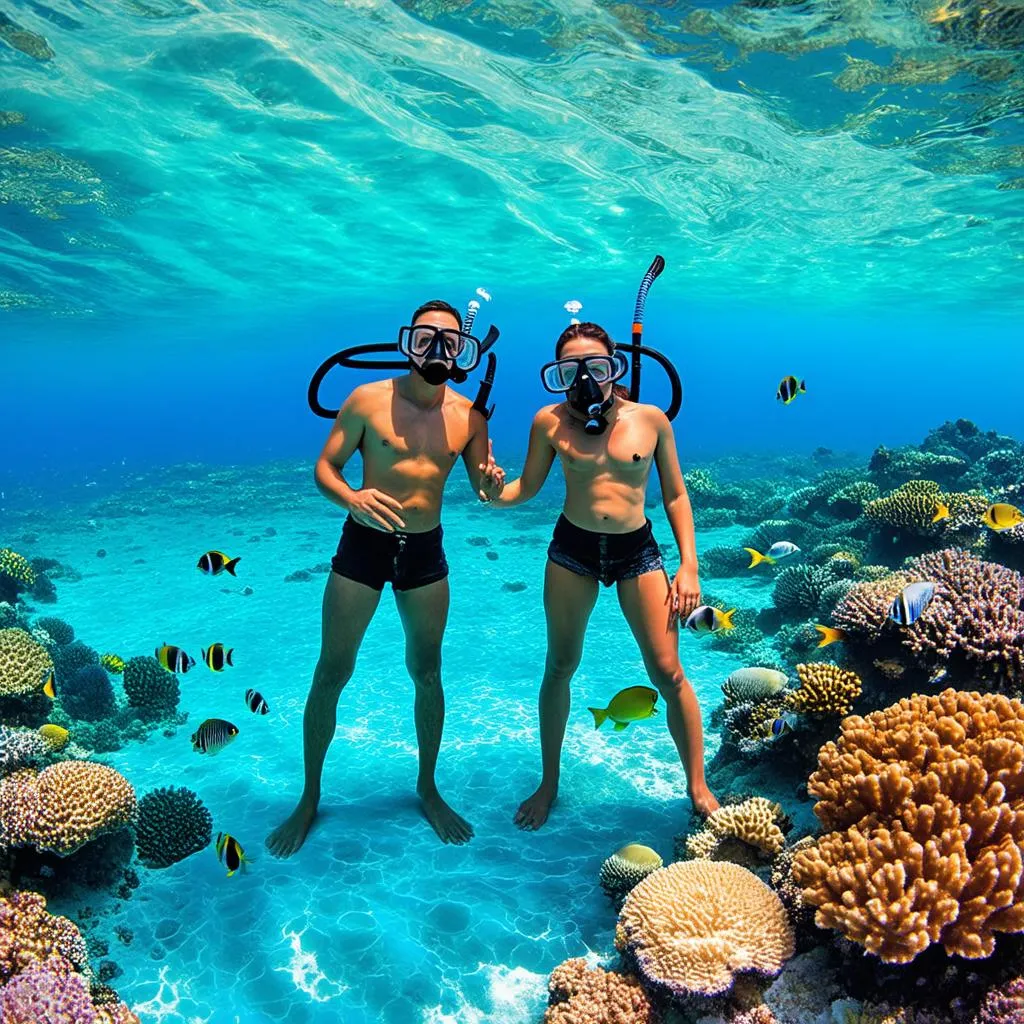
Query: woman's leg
x=643 y=603
x=568 y=601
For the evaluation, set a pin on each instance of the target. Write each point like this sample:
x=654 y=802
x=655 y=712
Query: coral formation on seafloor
x=626 y=868
x=24 y=664
x=150 y=687
x=578 y=994
x=16 y=575
x=925 y=800
x=29 y=934
x=1003 y=1004
x=47 y=992
x=691 y=927
x=72 y=658
x=824 y=689
x=20 y=748
x=64 y=806
x=754 y=821
x=61 y=633
x=172 y=824
x=88 y=694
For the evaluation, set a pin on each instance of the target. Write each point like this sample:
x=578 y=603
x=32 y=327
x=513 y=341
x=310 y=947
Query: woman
x=607 y=446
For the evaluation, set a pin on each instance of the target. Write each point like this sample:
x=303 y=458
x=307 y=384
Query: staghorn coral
x=926 y=802
x=61 y=632
x=150 y=687
x=172 y=824
x=24 y=664
x=64 y=806
x=88 y=694
x=15 y=575
x=626 y=868
x=824 y=689
x=20 y=748
x=47 y=992
x=753 y=822
x=28 y=935
x=693 y=926
x=578 y=994
x=1003 y=1004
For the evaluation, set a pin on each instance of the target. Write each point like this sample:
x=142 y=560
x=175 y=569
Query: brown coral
x=24 y=664
x=28 y=935
x=864 y=611
x=754 y=822
x=64 y=806
x=926 y=798
x=693 y=926
x=824 y=689
x=578 y=994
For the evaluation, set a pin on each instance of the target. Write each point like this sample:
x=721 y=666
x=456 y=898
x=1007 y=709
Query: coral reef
x=48 y=992
x=926 y=802
x=29 y=934
x=64 y=806
x=16 y=575
x=753 y=822
x=173 y=823
x=692 y=927
x=24 y=664
x=753 y=684
x=61 y=632
x=824 y=689
x=88 y=694
x=578 y=994
x=20 y=748
x=626 y=868
x=724 y=561
x=149 y=687
x=799 y=588
x=71 y=658
x=1003 y=1004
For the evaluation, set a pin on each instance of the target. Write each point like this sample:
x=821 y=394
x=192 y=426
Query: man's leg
x=568 y=601
x=348 y=608
x=643 y=603
x=424 y=613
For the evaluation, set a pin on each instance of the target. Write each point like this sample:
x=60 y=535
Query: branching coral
x=626 y=868
x=926 y=800
x=753 y=822
x=64 y=806
x=173 y=823
x=849 y=501
x=28 y=935
x=799 y=588
x=1003 y=1004
x=693 y=926
x=24 y=664
x=824 y=689
x=578 y=994
x=864 y=611
x=48 y=992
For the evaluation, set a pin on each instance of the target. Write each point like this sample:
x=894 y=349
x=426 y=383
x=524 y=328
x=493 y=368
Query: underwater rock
x=299 y=576
x=491 y=556
x=478 y=542
x=514 y=586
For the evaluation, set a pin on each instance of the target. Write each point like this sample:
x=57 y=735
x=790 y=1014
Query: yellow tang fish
x=633 y=704
x=231 y=854
x=112 y=663
x=1001 y=516
x=829 y=635
x=941 y=511
x=56 y=738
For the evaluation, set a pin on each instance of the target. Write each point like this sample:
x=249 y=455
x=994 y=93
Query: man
x=410 y=431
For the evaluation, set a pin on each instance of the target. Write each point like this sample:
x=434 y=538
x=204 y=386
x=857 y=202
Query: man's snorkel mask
x=436 y=354
x=587 y=382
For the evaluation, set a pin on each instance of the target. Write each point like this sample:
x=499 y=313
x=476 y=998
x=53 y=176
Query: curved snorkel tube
x=352 y=359
x=638 y=349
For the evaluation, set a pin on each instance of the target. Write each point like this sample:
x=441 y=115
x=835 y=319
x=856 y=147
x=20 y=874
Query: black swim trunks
x=608 y=557
x=405 y=560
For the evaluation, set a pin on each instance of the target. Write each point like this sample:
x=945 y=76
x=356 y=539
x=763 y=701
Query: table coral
x=824 y=689
x=578 y=994
x=926 y=800
x=24 y=664
x=693 y=926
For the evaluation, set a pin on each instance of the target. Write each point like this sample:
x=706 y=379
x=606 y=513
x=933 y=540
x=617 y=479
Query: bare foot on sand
x=533 y=811
x=450 y=827
x=291 y=834
x=703 y=800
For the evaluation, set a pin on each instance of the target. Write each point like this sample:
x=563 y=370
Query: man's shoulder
x=364 y=395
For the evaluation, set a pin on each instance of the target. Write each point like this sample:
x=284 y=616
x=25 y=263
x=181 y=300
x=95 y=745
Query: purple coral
x=19 y=748
x=1003 y=1005
x=49 y=992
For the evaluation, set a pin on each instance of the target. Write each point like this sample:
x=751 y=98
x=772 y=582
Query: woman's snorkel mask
x=437 y=354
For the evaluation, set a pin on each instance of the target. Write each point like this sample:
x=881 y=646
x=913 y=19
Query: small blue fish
x=911 y=602
x=783 y=724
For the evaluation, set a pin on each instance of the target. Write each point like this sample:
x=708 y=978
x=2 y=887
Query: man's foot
x=534 y=810
x=703 y=800
x=291 y=834
x=450 y=827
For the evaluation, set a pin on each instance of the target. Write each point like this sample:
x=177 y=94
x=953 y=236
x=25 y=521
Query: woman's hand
x=492 y=483
x=683 y=594
x=376 y=509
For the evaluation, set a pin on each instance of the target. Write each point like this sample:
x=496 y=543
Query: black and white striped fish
x=213 y=563
x=217 y=656
x=911 y=602
x=255 y=703
x=213 y=736
x=174 y=659
x=789 y=388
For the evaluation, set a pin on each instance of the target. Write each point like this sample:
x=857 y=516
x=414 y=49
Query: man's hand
x=376 y=509
x=492 y=483
x=683 y=594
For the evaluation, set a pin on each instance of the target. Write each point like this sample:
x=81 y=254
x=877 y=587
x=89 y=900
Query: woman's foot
x=534 y=810
x=449 y=826
x=291 y=834
x=703 y=800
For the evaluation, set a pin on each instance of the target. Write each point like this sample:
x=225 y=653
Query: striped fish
x=230 y=853
x=255 y=703
x=174 y=659
x=706 y=619
x=213 y=563
x=911 y=602
x=217 y=656
x=213 y=736
x=789 y=388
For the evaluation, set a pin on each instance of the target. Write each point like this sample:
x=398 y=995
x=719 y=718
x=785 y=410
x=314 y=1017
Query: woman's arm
x=539 y=456
x=685 y=586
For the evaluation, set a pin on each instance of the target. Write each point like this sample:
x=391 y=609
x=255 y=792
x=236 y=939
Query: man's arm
x=474 y=455
x=539 y=456
x=367 y=505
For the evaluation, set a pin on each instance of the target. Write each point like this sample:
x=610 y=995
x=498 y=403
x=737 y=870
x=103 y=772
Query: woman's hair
x=591 y=332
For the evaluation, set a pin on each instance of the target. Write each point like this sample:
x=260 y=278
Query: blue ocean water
x=200 y=201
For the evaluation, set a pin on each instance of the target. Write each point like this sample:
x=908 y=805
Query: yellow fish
x=1001 y=516
x=230 y=853
x=630 y=705
x=56 y=738
x=48 y=688
x=941 y=511
x=829 y=635
x=112 y=663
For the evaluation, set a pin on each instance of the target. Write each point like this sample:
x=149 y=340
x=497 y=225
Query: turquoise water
x=200 y=201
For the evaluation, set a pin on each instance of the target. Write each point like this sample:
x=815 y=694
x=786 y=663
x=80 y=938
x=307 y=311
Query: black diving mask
x=582 y=380
x=439 y=353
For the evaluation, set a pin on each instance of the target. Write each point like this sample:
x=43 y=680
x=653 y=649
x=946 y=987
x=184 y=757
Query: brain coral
x=754 y=822
x=28 y=934
x=24 y=664
x=626 y=868
x=64 y=806
x=926 y=800
x=48 y=992
x=578 y=994
x=824 y=689
x=88 y=694
x=173 y=823
x=150 y=687
x=693 y=926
